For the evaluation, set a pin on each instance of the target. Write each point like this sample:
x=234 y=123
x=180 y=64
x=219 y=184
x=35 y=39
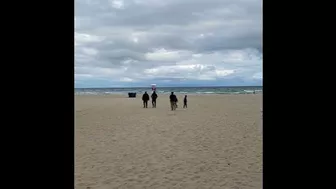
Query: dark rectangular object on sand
x=131 y=95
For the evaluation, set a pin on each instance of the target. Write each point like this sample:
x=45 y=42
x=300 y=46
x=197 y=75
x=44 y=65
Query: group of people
x=173 y=100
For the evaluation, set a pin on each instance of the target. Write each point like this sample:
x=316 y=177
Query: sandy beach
x=215 y=143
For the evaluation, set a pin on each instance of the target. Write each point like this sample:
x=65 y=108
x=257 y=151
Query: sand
x=215 y=143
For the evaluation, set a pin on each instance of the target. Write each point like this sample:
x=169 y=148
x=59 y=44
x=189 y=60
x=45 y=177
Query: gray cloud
x=140 y=41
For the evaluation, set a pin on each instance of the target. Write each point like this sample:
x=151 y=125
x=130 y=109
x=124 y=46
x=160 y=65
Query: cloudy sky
x=124 y=43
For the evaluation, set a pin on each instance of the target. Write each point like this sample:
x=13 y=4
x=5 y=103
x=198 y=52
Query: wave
x=168 y=90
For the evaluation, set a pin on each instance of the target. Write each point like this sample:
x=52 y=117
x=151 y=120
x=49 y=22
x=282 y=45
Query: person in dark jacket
x=173 y=101
x=154 y=97
x=185 y=102
x=145 y=99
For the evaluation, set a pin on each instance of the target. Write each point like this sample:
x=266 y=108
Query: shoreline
x=179 y=94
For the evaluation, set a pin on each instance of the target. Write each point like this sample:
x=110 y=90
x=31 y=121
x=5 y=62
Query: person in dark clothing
x=173 y=101
x=145 y=99
x=154 y=97
x=185 y=102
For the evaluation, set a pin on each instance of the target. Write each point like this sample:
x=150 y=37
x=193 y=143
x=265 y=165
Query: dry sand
x=215 y=143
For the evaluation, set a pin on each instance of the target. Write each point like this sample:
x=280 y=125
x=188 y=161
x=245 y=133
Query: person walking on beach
x=173 y=100
x=154 y=97
x=145 y=99
x=185 y=102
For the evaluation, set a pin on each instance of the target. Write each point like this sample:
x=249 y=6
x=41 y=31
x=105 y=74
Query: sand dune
x=215 y=143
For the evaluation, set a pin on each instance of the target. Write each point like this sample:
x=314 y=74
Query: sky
x=128 y=43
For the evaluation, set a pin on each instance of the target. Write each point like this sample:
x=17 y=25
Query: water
x=167 y=90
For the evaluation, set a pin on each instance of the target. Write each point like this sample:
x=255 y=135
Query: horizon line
x=167 y=87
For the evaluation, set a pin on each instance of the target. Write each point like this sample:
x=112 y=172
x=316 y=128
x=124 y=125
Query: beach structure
x=153 y=87
x=131 y=95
